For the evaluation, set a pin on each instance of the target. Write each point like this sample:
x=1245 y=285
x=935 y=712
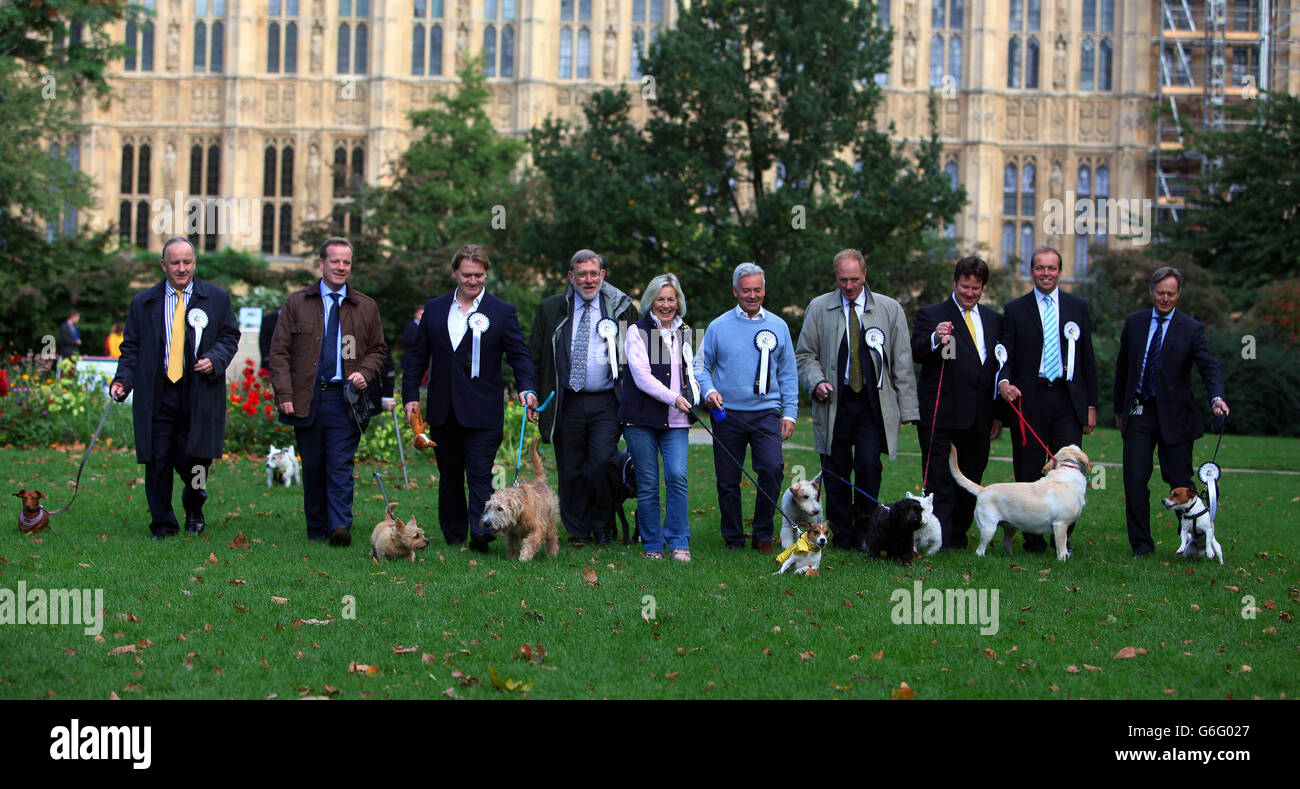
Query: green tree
x=762 y=145
x=1242 y=225
x=53 y=57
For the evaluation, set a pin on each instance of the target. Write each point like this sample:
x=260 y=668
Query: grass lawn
x=285 y=618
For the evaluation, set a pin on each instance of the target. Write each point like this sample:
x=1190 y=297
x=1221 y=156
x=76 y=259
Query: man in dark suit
x=955 y=338
x=269 y=320
x=1048 y=337
x=461 y=343
x=69 y=337
x=582 y=424
x=1154 y=407
x=180 y=337
x=329 y=336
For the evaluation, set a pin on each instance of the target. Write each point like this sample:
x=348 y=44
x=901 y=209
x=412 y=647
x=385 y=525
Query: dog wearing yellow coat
x=805 y=556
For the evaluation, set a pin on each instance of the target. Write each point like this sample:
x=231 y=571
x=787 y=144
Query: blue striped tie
x=1051 y=342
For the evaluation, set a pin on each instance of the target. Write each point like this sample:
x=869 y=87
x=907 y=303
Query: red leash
x=934 y=421
x=1024 y=423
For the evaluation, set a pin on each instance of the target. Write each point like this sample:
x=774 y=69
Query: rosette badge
x=765 y=342
x=607 y=330
x=999 y=353
x=1209 y=474
x=875 y=340
x=1072 y=334
x=478 y=324
x=199 y=320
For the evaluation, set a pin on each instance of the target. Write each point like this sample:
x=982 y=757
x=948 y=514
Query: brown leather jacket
x=295 y=347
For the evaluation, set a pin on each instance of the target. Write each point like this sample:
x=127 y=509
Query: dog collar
x=1074 y=465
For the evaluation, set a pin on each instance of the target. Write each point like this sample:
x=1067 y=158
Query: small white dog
x=801 y=504
x=929 y=538
x=805 y=554
x=282 y=466
x=1194 y=524
x=1047 y=506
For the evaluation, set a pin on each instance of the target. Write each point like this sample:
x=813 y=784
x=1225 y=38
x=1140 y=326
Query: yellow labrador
x=1047 y=506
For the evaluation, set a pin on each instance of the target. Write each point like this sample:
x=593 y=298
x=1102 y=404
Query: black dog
x=621 y=480
x=890 y=531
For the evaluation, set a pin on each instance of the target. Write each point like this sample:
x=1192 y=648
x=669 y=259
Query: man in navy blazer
x=1154 y=407
x=1048 y=337
x=465 y=410
x=180 y=336
x=943 y=342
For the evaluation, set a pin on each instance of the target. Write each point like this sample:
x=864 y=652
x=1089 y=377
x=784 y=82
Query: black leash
x=76 y=487
x=695 y=419
x=825 y=470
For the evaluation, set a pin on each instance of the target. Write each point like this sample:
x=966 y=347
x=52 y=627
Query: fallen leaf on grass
x=841 y=687
x=1270 y=605
x=69 y=651
x=804 y=657
x=240 y=542
x=1017 y=567
x=671 y=677
x=401 y=650
x=112 y=696
x=122 y=650
x=429 y=658
x=902 y=692
x=212 y=559
x=189 y=660
x=878 y=655
x=1072 y=669
x=1125 y=654
x=589 y=575
x=237 y=581
x=279 y=600
x=990 y=654
x=512 y=685
x=450 y=693
x=1245 y=669
x=132 y=687
x=361 y=668
x=330 y=690
x=1091 y=668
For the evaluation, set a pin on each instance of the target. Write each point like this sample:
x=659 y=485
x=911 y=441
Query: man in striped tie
x=1154 y=405
x=180 y=336
x=1050 y=369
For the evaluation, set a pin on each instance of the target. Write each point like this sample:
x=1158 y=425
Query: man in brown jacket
x=328 y=336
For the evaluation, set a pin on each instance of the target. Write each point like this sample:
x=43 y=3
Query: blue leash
x=523 y=425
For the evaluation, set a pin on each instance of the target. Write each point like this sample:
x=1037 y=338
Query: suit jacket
x=299 y=334
x=817 y=356
x=552 y=340
x=478 y=402
x=1184 y=344
x=141 y=365
x=68 y=345
x=968 y=399
x=1022 y=334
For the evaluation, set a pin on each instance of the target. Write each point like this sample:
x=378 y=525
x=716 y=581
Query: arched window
x=417 y=50
x=489 y=51
x=584 y=52
x=566 y=51
x=435 y=50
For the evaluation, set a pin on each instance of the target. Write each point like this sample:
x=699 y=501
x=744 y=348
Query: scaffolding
x=1211 y=54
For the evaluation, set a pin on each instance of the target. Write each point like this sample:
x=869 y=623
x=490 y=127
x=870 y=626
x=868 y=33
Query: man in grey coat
x=859 y=376
x=180 y=337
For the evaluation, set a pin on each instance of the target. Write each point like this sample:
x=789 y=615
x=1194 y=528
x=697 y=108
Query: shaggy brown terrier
x=393 y=539
x=34 y=517
x=527 y=514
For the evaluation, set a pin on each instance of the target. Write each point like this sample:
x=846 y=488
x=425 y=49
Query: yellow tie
x=177 y=353
x=970 y=323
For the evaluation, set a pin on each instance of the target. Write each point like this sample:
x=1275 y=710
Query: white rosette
x=765 y=342
x=478 y=324
x=1209 y=474
x=607 y=330
x=999 y=353
x=688 y=367
x=1071 y=334
x=875 y=339
x=199 y=320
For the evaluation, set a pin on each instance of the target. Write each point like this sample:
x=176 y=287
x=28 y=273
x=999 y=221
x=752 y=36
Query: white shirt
x=979 y=328
x=457 y=321
x=598 y=378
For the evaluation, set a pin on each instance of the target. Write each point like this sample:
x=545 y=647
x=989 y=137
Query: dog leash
x=76 y=487
x=1024 y=423
x=401 y=453
x=388 y=508
x=694 y=418
x=934 y=423
x=523 y=425
x=824 y=470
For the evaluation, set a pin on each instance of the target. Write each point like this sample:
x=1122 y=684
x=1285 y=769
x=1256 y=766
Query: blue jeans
x=646 y=444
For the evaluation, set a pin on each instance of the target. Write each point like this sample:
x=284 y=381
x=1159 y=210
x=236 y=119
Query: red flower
x=268 y=412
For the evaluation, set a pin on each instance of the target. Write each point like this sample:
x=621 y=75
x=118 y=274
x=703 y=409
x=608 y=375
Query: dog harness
x=27 y=524
x=1194 y=517
x=802 y=547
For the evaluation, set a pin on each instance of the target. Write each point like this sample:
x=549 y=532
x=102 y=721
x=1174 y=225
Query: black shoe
x=739 y=546
x=340 y=537
x=160 y=536
x=195 y=525
x=604 y=538
x=862 y=545
x=478 y=543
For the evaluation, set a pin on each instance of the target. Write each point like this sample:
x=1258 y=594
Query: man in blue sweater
x=746 y=362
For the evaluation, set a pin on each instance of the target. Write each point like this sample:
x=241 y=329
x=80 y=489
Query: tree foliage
x=1242 y=225
x=762 y=145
